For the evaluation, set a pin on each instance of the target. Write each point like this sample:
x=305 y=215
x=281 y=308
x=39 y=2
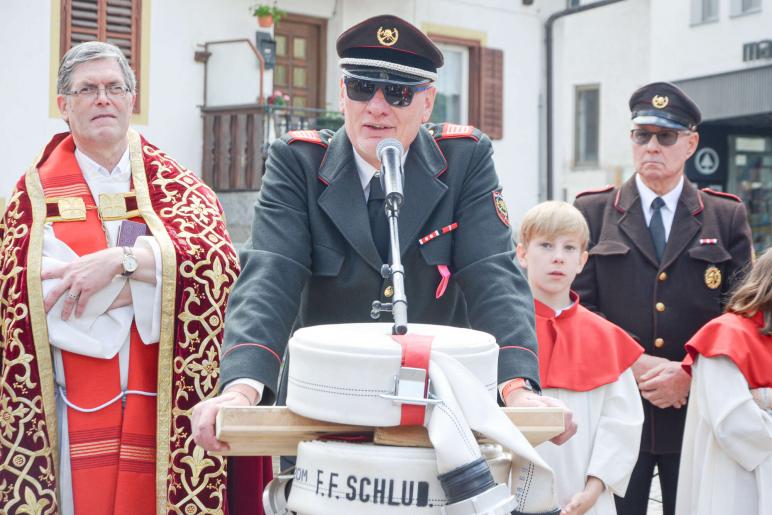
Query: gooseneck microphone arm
x=389 y=152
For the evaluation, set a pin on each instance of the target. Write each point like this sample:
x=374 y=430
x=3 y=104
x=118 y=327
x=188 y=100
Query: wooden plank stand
x=276 y=431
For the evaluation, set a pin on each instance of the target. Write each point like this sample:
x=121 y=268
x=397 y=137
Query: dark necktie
x=379 y=225
x=657 y=228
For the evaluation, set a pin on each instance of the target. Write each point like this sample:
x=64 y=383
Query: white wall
x=606 y=46
x=706 y=49
x=626 y=45
x=176 y=80
x=26 y=126
x=175 y=89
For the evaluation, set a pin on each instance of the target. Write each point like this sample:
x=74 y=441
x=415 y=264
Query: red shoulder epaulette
x=452 y=130
x=722 y=194
x=309 y=136
x=604 y=189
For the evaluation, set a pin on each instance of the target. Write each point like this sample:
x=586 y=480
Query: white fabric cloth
x=333 y=478
x=609 y=420
x=99 y=333
x=340 y=373
x=726 y=460
x=668 y=210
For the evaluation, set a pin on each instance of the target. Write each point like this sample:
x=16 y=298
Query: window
x=471 y=83
x=451 y=103
x=740 y=7
x=587 y=115
x=573 y=3
x=114 y=21
x=704 y=11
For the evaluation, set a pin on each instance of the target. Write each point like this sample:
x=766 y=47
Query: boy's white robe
x=609 y=420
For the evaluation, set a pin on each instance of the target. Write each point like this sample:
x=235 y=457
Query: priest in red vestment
x=115 y=270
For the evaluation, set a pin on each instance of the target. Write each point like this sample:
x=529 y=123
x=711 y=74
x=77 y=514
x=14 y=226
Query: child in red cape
x=726 y=461
x=584 y=360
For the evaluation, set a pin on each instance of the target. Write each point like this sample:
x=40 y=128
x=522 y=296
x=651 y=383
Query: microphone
x=389 y=152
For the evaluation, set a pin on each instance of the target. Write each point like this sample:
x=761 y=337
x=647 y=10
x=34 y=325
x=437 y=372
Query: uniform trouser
x=636 y=499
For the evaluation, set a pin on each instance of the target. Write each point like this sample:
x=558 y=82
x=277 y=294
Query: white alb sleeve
x=146 y=297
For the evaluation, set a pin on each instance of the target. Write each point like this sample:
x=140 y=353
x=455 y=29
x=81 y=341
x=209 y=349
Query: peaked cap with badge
x=313 y=259
x=662 y=302
x=665 y=105
x=389 y=48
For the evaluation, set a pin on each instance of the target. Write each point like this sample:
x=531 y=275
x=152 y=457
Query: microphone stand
x=395 y=271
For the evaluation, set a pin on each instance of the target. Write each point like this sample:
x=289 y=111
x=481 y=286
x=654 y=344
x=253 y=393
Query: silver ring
x=73 y=297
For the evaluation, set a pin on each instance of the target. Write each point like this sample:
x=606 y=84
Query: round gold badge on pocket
x=712 y=277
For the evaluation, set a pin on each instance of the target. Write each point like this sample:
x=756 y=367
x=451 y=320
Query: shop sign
x=757 y=50
x=706 y=161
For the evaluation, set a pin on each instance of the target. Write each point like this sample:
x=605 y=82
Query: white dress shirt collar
x=366 y=171
x=670 y=198
x=92 y=170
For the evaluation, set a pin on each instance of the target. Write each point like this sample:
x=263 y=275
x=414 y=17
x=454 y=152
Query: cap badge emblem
x=387 y=37
x=712 y=277
x=660 y=101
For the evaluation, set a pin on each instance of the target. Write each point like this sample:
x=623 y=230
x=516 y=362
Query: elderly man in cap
x=319 y=237
x=663 y=256
x=115 y=268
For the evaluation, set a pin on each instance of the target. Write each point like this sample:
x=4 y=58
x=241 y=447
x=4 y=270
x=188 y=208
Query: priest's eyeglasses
x=666 y=138
x=91 y=91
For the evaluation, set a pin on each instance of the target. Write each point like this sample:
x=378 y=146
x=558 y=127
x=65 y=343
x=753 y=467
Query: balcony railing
x=236 y=139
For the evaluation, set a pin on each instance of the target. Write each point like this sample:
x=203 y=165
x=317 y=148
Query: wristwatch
x=129 y=262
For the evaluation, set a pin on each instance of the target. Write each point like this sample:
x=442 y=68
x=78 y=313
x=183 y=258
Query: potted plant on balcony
x=267 y=14
x=278 y=100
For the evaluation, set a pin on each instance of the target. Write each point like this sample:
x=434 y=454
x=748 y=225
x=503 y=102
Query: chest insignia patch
x=501 y=207
x=712 y=277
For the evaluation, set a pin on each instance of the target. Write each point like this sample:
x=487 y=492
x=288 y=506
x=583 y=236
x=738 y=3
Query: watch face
x=129 y=264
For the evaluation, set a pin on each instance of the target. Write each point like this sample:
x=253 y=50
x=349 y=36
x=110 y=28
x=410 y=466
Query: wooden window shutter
x=492 y=92
x=113 y=21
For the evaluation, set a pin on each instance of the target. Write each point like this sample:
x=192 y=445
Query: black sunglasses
x=666 y=138
x=398 y=95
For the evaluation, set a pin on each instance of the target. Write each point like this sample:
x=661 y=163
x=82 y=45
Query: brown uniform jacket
x=662 y=304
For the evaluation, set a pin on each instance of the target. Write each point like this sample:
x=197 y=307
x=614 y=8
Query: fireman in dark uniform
x=319 y=237
x=663 y=257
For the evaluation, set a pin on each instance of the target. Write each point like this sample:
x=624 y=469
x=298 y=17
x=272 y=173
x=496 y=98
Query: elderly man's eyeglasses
x=666 y=138
x=91 y=91
x=397 y=95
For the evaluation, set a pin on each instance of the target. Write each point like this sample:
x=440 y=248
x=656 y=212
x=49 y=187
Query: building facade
x=718 y=51
x=215 y=89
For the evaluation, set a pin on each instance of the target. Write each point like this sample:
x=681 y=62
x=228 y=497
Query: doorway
x=300 y=60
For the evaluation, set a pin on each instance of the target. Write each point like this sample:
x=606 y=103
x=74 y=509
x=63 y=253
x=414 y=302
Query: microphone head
x=386 y=143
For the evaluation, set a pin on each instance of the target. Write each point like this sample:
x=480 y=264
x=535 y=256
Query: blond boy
x=584 y=360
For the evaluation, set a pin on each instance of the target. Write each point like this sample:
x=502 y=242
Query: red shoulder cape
x=738 y=338
x=580 y=350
